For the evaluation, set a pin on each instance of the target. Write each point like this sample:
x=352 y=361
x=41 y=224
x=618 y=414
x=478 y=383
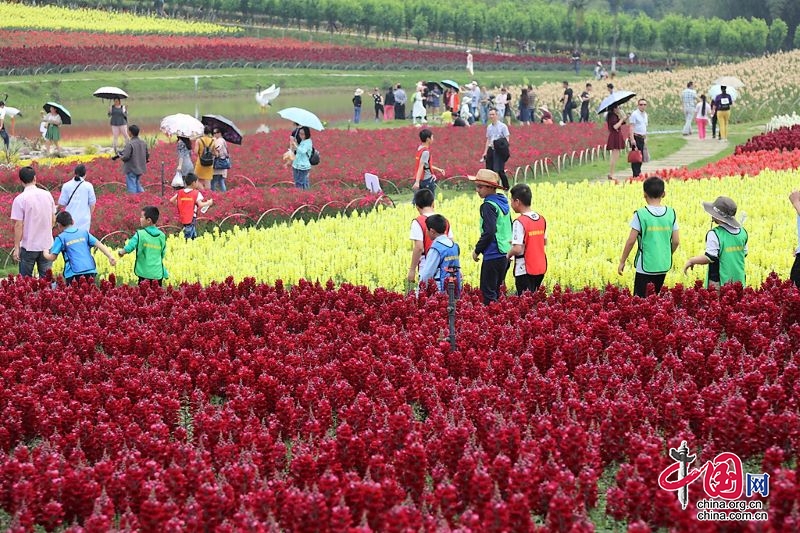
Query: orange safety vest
x=417 y=161
x=535 y=258
x=186 y=203
x=422 y=220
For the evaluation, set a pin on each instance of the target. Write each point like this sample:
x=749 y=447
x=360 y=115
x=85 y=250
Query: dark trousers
x=566 y=115
x=145 y=281
x=714 y=126
x=4 y=135
x=29 y=259
x=584 y=115
x=399 y=111
x=795 y=275
x=641 y=281
x=498 y=165
x=493 y=274
x=637 y=167
x=528 y=282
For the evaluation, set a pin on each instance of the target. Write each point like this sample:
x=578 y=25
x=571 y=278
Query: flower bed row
x=268 y=421
x=786 y=138
x=87 y=50
x=24 y=17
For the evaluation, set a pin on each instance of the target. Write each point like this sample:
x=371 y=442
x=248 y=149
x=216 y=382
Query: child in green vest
x=654 y=229
x=150 y=244
x=495 y=240
x=726 y=245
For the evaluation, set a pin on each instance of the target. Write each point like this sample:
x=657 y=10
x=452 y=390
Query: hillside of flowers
x=260 y=182
x=267 y=420
x=24 y=17
x=45 y=49
x=763 y=96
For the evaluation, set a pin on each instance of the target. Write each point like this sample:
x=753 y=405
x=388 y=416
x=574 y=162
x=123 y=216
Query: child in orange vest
x=188 y=200
x=528 y=239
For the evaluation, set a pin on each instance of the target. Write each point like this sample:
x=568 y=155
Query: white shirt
x=416 y=235
x=80 y=206
x=712 y=241
x=518 y=237
x=699 y=110
x=638 y=121
x=497 y=131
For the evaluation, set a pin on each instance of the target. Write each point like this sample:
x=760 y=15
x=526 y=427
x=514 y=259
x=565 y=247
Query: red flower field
x=239 y=407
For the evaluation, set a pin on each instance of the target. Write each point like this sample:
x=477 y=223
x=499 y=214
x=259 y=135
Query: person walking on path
x=722 y=106
x=204 y=165
x=586 y=97
x=78 y=199
x=496 y=150
x=135 y=156
x=378 y=101
x=638 y=133
x=119 y=121
x=400 y=100
x=33 y=213
x=357 y=105
x=702 y=116
x=689 y=101
x=615 y=119
x=53 y=132
x=495 y=239
x=567 y=100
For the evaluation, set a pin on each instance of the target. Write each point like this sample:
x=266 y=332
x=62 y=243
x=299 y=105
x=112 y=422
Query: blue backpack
x=449 y=265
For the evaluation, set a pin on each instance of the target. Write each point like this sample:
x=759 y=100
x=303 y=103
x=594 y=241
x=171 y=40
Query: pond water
x=89 y=118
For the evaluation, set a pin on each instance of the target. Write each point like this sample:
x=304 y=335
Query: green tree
x=672 y=30
x=714 y=35
x=420 y=28
x=778 y=31
x=550 y=28
x=757 y=36
x=643 y=33
x=696 y=38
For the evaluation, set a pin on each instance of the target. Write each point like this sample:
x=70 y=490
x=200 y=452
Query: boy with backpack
x=76 y=245
x=188 y=200
x=528 y=239
x=442 y=260
x=150 y=244
x=654 y=228
x=424 y=202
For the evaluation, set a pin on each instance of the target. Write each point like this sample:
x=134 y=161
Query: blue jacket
x=76 y=244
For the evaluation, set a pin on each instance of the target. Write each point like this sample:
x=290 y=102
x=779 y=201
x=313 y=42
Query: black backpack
x=206 y=158
x=314 y=157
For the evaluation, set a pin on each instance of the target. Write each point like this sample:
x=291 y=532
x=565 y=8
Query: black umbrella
x=431 y=85
x=229 y=131
x=615 y=98
x=66 y=118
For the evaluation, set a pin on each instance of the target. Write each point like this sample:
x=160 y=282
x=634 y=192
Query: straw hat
x=724 y=210
x=359 y=92
x=487 y=177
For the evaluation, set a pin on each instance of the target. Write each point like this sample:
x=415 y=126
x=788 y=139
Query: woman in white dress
x=418 y=109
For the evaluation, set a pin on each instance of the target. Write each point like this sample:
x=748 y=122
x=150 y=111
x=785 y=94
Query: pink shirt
x=35 y=208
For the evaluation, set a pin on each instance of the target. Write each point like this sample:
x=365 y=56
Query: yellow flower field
x=19 y=16
x=587 y=226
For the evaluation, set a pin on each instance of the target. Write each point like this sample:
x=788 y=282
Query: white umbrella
x=729 y=81
x=109 y=93
x=182 y=125
x=12 y=111
x=302 y=117
x=715 y=90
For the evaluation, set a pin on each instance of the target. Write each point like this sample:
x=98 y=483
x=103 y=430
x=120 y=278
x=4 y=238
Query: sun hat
x=543 y=107
x=359 y=92
x=487 y=177
x=724 y=210
x=468 y=51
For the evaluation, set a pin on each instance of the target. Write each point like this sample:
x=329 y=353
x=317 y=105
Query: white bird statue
x=267 y=95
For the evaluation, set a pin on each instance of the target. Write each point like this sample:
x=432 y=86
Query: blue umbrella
x=615 y=98
x=302 y=117
x=451 y=84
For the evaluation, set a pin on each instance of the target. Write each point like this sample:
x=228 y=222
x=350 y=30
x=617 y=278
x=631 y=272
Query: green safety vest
x=149 y=255
x=503 y=235
x=655 y=240
x=731 y=255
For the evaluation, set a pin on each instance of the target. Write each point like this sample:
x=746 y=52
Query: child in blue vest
x=726 y=245
x=76 y=245
x=443 y=256
x=654 y=228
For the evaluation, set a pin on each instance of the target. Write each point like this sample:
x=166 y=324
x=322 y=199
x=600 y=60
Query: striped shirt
x=689 y=99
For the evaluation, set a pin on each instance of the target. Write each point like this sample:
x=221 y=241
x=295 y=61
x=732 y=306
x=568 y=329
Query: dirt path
x=694 y=150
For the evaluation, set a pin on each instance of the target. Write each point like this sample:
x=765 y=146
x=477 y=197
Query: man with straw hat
x=495 y=240
x=726 y=245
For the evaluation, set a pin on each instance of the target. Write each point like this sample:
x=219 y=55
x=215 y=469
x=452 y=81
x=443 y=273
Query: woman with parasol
x=119 y=121
x=615 y=119
x=53 y=133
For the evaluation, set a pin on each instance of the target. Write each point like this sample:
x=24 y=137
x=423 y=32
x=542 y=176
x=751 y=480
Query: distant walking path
x=694 y=150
